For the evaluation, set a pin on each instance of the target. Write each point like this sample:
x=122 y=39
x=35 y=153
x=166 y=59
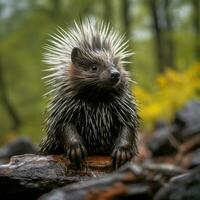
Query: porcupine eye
x=94 y=68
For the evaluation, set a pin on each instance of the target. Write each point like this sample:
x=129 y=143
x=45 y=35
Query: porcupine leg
x=125 y=148
x=73 y=145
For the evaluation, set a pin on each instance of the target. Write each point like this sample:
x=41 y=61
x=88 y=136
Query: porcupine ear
x=76 y=55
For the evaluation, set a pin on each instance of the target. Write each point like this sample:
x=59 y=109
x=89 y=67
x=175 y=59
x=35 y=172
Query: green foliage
x=24 y=33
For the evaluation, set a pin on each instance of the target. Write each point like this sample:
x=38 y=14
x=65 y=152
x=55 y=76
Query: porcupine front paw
x=76 y=152
x=122 y=154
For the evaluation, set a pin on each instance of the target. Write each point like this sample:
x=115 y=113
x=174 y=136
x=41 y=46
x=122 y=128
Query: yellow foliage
x=170 y=91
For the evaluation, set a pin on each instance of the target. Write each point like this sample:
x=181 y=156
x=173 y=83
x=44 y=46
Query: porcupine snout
x=111 y=76
x=114 y=75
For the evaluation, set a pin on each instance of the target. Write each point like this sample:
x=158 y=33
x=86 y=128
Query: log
x=30 y=175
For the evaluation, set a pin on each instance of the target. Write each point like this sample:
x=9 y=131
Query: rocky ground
x=167 y=168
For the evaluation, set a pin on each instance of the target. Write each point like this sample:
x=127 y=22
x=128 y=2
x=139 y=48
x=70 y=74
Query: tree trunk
x=108 y=11
x=6 y=102
x=157 y=34
x=56 y=7
x=170 y=49
x=126 y=17
x=196 y=22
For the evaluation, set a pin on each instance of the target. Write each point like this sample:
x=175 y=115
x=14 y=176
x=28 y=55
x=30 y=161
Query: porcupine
x=92 y=110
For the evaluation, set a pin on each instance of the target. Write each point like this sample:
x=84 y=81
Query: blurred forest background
x=165 y=34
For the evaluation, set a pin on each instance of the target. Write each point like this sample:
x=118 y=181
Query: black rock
x=166 y=138
x=183 y=187
x=187 y=121
x=160 y=124
x=195 y=161
x=17 y=147
x=161 y=142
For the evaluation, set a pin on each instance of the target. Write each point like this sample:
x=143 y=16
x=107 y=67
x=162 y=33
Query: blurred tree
x=170 y=48
x=16 y=122
x=56 y=7
x=108 y=9
x=154 y=10
x=196 y=25
x=163 y=29
x=126 y=19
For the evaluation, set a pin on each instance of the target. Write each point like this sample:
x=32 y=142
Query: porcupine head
x=91 y=110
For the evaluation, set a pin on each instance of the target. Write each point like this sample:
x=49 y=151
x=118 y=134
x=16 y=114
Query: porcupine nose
x=115 y=76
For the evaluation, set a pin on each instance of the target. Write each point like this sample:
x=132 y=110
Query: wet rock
x=17 y=147
x=186 y=125
x=187 y=121
x=188 y=155
x=183 y=187
x=161 y=143
x=195 y=161
x=29 y=176
x=166 y=170
x=160 y=124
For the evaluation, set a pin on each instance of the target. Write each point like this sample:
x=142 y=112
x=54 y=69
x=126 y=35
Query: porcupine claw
x=121 y=154
x=76 y=152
